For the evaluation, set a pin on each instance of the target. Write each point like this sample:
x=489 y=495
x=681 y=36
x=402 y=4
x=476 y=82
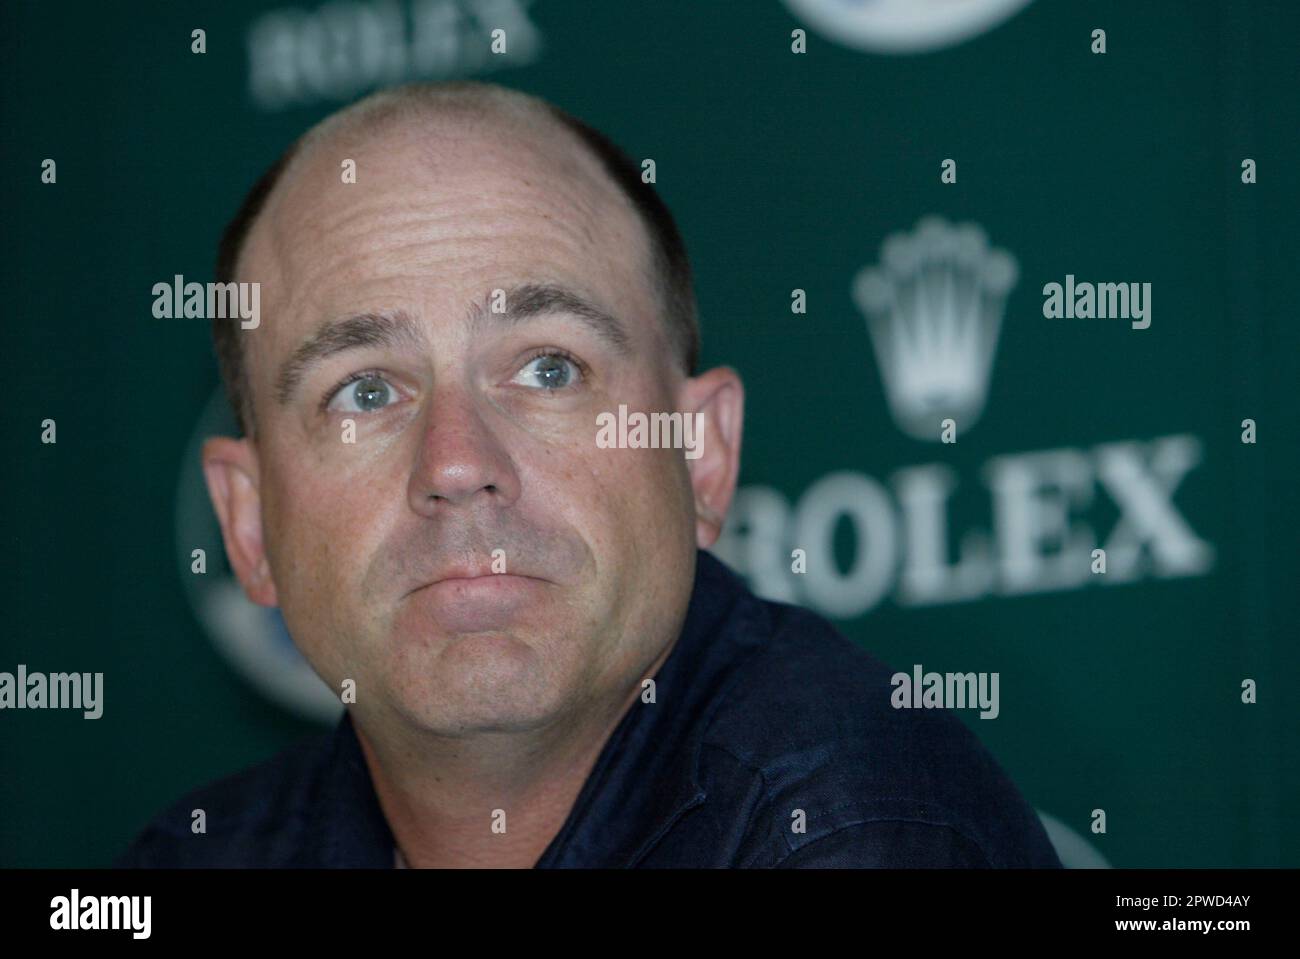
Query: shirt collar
x=347 y=819
x=647 y=773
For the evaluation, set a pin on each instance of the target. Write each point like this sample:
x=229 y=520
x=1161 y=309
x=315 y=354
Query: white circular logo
x=903 y=26
x=252 y=638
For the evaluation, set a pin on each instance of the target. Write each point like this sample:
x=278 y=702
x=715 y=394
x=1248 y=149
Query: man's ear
x=230 y=468
x=718 y=397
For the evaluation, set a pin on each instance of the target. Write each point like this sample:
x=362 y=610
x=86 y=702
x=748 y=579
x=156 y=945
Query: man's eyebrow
x=529 y=300
x=337 y=336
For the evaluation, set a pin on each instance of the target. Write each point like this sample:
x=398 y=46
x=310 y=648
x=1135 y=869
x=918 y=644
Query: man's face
x=472 y=446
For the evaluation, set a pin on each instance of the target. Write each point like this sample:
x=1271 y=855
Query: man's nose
x=460 y=457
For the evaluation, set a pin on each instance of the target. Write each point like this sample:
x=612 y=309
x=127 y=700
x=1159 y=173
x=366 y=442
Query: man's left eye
x=548 y=372
x=365 y=394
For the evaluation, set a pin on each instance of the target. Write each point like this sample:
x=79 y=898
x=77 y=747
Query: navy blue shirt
x=761 y=710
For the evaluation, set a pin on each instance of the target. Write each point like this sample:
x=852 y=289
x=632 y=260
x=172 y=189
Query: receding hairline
x=466 y=101
x=416 y=110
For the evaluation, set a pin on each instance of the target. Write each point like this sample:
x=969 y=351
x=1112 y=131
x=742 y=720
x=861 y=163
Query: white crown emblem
x=934 y=308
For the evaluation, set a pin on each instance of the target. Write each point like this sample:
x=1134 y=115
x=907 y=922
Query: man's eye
x=363 y=395
x=549 y=372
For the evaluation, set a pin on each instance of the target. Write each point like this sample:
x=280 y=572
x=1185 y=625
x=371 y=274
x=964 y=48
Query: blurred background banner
x=877 y=196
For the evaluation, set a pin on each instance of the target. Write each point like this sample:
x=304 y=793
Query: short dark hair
x=670 y=267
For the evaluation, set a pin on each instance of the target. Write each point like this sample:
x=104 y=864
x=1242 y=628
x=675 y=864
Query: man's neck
x=493 y=800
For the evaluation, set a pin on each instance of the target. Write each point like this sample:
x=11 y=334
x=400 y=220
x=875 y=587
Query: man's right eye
x=365 y=393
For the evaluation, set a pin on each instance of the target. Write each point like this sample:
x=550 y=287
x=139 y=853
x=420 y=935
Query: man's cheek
x=319 y=521
x=633 y=500
x=651 y=479
x=616 y=483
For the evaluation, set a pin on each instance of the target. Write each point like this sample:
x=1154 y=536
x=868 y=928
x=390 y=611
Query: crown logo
x=934 y=309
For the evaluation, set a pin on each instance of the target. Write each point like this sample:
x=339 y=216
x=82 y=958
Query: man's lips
x=475 y=604
x=473 y=581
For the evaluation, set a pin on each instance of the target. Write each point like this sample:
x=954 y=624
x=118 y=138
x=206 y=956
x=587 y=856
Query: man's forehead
x=443 y=159
x=447 y=202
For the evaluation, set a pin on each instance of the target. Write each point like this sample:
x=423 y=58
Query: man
x=541 y=667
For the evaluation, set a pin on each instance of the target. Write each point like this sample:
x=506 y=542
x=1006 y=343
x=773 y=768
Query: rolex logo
x=934 y=308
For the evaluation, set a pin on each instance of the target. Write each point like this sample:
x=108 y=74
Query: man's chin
x=469 y=682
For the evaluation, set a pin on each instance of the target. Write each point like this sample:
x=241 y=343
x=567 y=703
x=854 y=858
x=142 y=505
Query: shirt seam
x=945 y=819
x=753 y=613
x=988 y=864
